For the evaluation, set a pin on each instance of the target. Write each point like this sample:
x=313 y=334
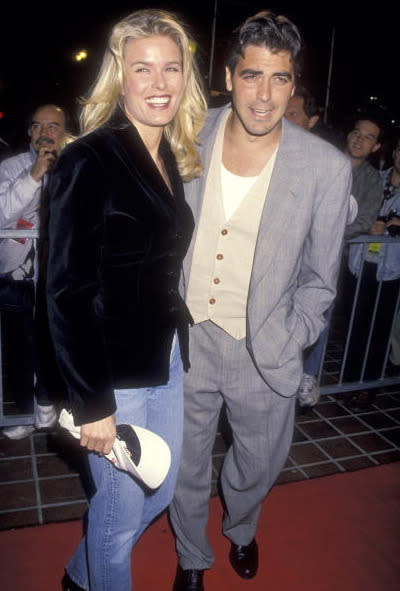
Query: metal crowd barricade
x=332 y=379
x=13 y=419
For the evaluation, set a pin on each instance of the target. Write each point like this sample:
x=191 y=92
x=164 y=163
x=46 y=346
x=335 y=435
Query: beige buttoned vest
x=224 y=249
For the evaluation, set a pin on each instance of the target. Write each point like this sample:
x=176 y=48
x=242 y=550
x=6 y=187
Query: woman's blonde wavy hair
x=105 y=95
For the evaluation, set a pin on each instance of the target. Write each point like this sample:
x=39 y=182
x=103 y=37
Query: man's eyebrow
x=247 y=71
x=284 y=74
x=34 y=122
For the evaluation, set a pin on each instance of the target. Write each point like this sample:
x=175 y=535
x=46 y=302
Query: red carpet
x=337 y=533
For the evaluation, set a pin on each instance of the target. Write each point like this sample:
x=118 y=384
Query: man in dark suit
x=271 y=208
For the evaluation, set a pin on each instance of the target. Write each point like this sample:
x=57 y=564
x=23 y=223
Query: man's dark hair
x=310 y=106
x=374 y=118
x=266 y=29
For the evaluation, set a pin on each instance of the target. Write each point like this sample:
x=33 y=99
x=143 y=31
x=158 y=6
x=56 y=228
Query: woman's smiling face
x=154 y=81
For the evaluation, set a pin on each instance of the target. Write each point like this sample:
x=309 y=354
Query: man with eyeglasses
x=22 y=181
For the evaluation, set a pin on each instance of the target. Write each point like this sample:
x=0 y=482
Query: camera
x=392 y=230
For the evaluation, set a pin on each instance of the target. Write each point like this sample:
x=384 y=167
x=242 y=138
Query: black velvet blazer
x=117 y=238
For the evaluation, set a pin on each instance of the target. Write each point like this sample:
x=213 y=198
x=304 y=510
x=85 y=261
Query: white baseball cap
x=136 y=450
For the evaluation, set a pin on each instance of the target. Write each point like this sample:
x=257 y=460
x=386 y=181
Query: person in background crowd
x=119 y=228
x=391 y=185
x=23 y=179
x=379 y=284
x=363 y=141
x=271 y=208
x=302 y=109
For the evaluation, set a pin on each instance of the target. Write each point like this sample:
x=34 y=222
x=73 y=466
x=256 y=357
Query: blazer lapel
x=194 y=190
x=136 y=158
x=280 y=203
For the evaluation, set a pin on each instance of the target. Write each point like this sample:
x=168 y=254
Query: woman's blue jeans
x=121 y=509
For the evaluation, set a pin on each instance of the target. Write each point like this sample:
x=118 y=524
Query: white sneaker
x=46 y=417
x=308 y=392
x=18 y=432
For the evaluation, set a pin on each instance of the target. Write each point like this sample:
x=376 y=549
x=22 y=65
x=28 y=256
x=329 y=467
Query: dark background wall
x=37 y=45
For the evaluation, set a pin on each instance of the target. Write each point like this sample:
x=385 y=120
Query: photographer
x=382 y=264
x=23 y=180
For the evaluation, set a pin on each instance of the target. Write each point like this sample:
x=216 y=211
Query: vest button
x=216 y=281
x=220 y=257
x=224 y=232
x=211 y=301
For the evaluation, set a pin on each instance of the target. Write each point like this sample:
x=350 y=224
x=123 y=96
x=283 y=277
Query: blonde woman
x=119 y=228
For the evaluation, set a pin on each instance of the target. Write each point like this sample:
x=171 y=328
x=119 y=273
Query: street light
x=80 y=55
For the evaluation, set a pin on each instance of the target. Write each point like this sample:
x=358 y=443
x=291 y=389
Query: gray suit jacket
x=298 y=249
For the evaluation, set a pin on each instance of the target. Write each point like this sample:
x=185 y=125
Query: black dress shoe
x=244 y=559
x=68 y=584
x=188 y=580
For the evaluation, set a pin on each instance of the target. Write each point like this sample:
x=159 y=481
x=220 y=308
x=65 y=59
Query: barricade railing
x=331 y=382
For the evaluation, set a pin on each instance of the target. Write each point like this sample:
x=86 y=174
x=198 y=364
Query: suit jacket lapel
x=280 y=203
x=194 y=191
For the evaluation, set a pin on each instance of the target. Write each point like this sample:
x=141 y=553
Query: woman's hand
x=99 y=436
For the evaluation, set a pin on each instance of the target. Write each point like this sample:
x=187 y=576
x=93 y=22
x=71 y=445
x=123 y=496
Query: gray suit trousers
x=262 y=426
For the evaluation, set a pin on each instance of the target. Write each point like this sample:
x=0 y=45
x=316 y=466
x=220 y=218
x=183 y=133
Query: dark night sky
x=37 y=45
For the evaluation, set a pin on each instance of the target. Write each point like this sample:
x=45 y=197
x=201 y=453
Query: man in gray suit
x=271 y=209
